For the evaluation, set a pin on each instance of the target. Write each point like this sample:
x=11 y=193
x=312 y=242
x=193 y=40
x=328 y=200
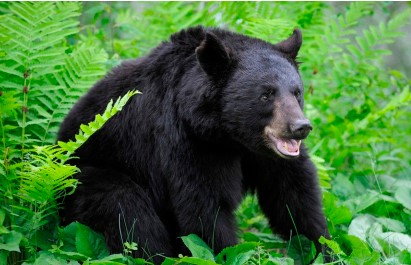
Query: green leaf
x=279 y=261
x=361 y=254
x=269 y=240
x=398 y=240
x=196 y=261
x=3 y=256
x=403 y=195
x=360 y=225
x=69 y=254
x=337 y=214
x=391 y=224
x=115 y=259
x=87 y=130
x=48 y=258
x=11 y=241
x=90 y=243
x=198 y=247
x=405 y=257
x=42 y=239
x=3 y=230
x=362 y=202
x=332 y=244
x=301 y=249
x=238 y=254
x=2 y=216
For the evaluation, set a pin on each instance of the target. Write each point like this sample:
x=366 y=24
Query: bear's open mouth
x=286 y=147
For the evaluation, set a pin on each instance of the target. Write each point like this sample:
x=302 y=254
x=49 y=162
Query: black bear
x=220 y=114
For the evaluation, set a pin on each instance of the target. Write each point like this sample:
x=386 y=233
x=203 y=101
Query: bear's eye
x=297 y=94
x=266 y=96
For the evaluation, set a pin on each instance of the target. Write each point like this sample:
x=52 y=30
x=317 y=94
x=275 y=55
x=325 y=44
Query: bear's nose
x=300 y=129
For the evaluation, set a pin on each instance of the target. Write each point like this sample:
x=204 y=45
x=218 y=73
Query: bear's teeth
x=286 y=146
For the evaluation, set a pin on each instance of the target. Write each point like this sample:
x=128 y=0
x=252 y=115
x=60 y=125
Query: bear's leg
x=203 y=214
x=289 y=195
x=110 y=203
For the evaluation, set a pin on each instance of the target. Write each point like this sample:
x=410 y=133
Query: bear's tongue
x=288 y=147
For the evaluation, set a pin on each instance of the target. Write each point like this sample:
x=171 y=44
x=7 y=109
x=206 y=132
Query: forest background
x=356 y=70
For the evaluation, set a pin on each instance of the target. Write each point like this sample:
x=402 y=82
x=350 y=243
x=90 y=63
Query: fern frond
x=87 y=130
x=46 y=177
x=81 y=70
x=34 y=47
x=56 y=79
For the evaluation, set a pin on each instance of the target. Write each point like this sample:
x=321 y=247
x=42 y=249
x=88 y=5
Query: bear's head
x=262 y=96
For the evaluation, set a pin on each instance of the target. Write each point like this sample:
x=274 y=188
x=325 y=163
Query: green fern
x=44 y=178
x=87 y=130
x=38 y=63
x=81 y=69
x=41 y=77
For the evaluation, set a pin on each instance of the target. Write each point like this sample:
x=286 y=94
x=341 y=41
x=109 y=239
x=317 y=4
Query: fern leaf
x=81 y=70
x=87 y=130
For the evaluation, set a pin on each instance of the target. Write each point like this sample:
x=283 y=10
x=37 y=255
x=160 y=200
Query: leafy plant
x=42 y=76
x=45 y=177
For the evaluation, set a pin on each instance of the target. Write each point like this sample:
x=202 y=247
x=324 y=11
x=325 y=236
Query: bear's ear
x=292 y=45
x=212 y=55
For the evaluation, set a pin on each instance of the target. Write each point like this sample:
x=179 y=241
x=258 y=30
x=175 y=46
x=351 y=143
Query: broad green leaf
x=68 y=236
x=399 y=240
x=42 y=240
x=69 y=255
x=196 y=261
x=238 y=254
x=360 y=225
x=337 y=214
x=361 y=254
x=268 y=239
x=90 y=243
x=11 y=241
x=362 y=202
x=403 y=195
x=301 y=249
x=391 y=224
x=48 y=258
x=198 y=247
x=169 y=261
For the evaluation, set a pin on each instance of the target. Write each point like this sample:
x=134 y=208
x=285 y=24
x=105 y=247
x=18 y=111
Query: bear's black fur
x=220 y=114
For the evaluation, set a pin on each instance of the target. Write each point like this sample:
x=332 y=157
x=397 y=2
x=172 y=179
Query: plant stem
x=24 y=110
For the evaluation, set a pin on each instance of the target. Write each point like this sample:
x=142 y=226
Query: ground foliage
x=51 y=53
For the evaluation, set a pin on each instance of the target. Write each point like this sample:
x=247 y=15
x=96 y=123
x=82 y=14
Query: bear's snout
x=300 y=129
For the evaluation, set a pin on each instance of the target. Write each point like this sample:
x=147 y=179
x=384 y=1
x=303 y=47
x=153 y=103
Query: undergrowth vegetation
x=52 y=52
